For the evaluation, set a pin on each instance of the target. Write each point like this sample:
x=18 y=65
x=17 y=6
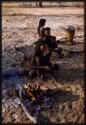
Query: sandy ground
x=18 y=29
x=43 y=11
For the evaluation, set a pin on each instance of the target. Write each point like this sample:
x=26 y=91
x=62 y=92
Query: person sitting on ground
x=40 y=62
x=51 y=42
x=36 y=46
x=41 y=25
x=41 y=38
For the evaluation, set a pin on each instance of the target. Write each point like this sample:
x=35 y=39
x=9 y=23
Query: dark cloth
x=40 y=42
x=48 y=40
x=52 y=44
x=44 y=59
x=37 y=51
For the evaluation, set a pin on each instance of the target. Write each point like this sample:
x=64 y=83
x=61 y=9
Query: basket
x=70 y=32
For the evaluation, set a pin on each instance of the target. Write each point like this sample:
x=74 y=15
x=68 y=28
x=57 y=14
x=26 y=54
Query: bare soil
x=19 y=26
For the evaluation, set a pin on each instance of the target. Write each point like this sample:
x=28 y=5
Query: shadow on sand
x=69 y=75
x=56 y=97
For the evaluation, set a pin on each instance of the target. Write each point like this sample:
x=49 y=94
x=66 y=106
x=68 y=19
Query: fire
x=34 y=90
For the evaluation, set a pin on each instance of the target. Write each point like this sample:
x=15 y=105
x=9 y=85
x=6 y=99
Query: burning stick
x=33 y=119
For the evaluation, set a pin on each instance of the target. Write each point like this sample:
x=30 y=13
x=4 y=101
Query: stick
x=65 y=37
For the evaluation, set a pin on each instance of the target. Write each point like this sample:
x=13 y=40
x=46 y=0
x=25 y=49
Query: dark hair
x=42 y=22
x=47 y=28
